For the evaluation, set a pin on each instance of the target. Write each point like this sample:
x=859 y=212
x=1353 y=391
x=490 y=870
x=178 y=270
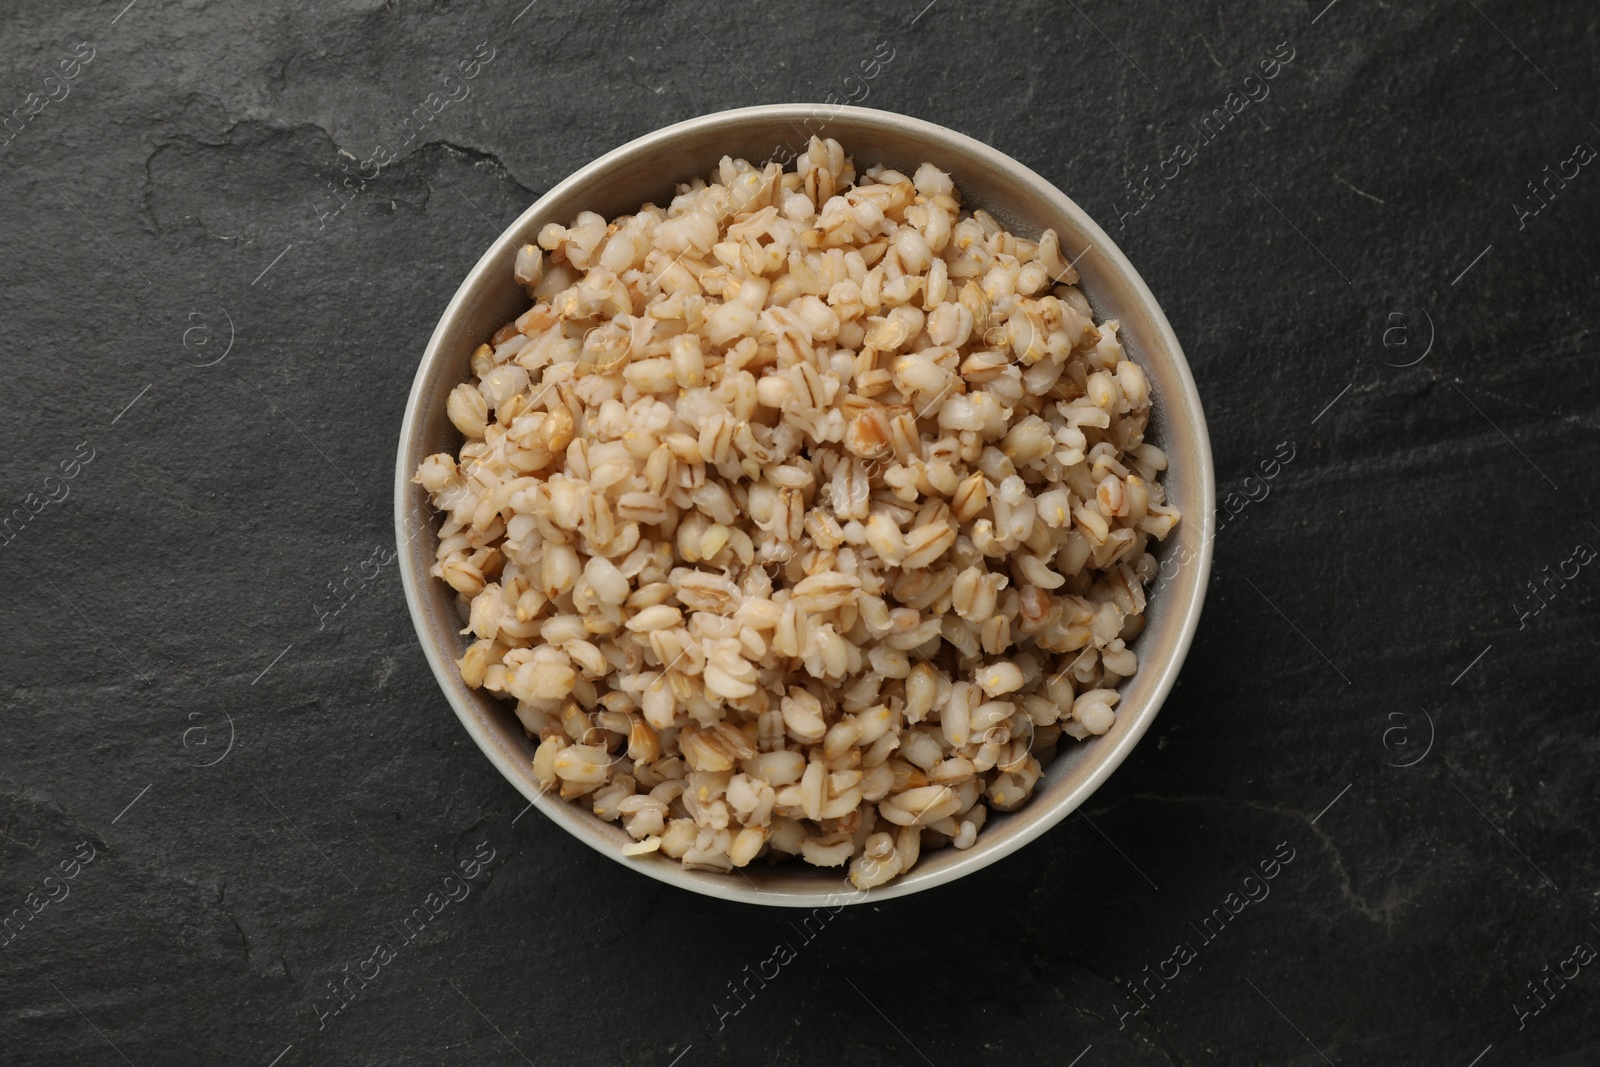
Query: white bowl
x=646 y=170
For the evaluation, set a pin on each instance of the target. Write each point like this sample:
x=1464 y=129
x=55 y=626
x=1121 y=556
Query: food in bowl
x=804 y=517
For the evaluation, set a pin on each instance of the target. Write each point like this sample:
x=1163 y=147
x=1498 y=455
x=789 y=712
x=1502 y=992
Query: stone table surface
x=238 y=780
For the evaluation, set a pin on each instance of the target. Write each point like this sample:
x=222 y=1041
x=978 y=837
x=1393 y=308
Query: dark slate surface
x=265 y=783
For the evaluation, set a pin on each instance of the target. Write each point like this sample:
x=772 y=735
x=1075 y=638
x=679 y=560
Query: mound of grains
x=803 y=517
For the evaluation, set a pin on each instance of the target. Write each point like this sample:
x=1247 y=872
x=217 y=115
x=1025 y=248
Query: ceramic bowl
x=646 y=170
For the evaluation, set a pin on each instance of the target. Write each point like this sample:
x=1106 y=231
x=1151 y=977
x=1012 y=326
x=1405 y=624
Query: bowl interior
x=646 y=170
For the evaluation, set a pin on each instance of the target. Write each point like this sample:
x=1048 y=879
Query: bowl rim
x=831 y=893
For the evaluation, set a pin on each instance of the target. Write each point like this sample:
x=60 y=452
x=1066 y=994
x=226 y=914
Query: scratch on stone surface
x=1070 y=1005
x=243 y=938
x=1576 y=420
x=1384 y=914
x=1039 y=976
x=478 y=155
x=650 y=909
x=1154 y=1039
x=1352 y=188
x=634 y=78
x=1357 y=901
x=1573 y=342
x=1209 y=52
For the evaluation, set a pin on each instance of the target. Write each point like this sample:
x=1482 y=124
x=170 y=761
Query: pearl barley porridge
x=805 y=517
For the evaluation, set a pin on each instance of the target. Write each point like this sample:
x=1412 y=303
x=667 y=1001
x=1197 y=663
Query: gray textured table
x=228 y=777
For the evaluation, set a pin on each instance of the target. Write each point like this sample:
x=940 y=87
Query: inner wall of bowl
x=647 y=171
